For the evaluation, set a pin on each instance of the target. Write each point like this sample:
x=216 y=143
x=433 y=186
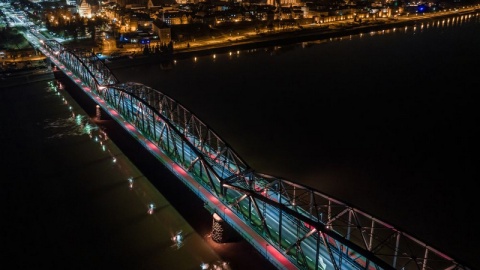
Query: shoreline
x=311 y=33
x=305 y=34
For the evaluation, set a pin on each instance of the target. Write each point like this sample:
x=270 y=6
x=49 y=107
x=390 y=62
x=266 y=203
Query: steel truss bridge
x=308 y=228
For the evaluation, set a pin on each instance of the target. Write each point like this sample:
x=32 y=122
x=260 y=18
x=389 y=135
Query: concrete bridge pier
x=221 y=231
x=98 y=112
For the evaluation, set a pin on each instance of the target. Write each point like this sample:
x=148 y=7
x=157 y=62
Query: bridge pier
x=221 y=231
x=98 y=112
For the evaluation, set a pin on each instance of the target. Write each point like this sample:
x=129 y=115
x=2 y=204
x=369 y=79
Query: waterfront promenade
x=249 y=39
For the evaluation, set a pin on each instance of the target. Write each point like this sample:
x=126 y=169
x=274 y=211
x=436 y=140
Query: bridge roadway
x=294 y=226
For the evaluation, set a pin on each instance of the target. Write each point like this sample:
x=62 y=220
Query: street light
x=151 y=208
x=130 y=182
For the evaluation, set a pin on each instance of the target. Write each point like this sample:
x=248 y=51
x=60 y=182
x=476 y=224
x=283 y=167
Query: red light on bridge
x=152 y=146
x=130 y=127
x=179 y=169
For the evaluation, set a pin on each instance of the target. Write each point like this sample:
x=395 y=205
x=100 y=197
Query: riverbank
x=310 y=32
x=278 y=38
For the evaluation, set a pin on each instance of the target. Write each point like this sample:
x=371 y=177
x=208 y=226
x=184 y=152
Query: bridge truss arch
x=311 y=229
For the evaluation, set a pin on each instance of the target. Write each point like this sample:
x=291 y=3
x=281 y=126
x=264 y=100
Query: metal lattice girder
x=340 y=234
x=214 y=150
x=176 y=131
x=84 y=63
x=344 y=225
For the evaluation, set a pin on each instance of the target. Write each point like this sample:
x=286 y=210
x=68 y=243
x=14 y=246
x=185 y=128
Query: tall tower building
x=84 y=9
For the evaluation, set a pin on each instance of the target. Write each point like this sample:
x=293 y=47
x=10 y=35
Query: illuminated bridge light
x=152 y=146
x=130 y=127
x=179 y=169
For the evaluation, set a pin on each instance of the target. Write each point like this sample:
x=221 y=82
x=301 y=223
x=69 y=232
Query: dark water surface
x=384 y=121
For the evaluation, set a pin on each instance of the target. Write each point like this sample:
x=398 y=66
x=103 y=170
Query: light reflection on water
x=74 y=125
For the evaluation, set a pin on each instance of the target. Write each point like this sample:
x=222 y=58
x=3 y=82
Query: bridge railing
x=347 y=237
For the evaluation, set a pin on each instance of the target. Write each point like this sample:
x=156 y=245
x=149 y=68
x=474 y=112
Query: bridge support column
x=98 y=112
x=221 y=231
